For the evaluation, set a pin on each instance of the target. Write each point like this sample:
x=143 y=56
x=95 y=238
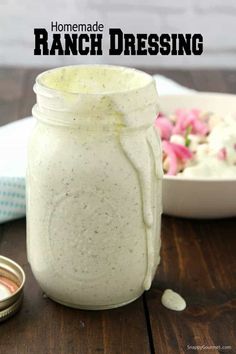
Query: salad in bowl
x=198 y=133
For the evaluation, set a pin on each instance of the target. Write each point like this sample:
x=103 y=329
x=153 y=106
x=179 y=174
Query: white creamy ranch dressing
x=206 y=162
x=140 y=148
x=173 y=301
x=94 y=186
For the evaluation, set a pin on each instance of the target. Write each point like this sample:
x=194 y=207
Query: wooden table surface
x=198 y=260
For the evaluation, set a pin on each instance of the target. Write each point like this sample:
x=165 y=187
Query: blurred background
x=215 y=19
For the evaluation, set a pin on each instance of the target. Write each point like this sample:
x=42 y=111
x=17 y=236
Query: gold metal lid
x=12 y=279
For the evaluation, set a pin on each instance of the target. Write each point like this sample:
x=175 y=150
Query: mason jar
x=94 y=185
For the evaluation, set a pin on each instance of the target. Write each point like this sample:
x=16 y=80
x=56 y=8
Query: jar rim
x=133 y=102
x=145 y=80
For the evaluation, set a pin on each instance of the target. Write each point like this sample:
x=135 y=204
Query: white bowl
x=198 y=197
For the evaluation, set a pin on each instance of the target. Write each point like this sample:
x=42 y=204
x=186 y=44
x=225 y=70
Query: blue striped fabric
x=12 y=198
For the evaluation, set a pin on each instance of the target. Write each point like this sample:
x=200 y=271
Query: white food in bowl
x=222 y=135
x=201 y=197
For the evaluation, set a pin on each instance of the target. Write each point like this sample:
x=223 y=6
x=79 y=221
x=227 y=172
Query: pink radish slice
x=164 y=126
x=176 y=153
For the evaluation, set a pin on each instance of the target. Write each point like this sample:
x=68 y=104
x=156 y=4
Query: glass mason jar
x=94 y=185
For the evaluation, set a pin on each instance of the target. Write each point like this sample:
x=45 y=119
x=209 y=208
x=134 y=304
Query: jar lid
x=12 y=279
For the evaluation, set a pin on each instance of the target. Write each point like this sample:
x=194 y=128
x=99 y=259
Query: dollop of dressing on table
x=173 y=301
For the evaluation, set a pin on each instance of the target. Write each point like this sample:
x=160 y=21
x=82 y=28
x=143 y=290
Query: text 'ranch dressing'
x=94 y=185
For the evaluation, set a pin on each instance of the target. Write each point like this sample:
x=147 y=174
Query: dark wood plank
x=11 y=93
x=29 y=98
x=209 y=80
x=230 y=79
x=183 y=77
x=43 y=326
x=16 y=93
x=198 y=261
